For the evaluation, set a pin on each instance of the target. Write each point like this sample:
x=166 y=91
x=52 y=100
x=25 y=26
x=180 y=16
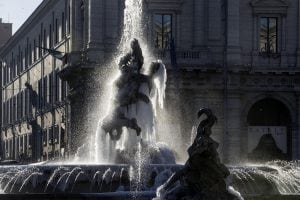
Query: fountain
x=125 y=161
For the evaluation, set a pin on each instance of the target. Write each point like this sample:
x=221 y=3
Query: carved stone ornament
x=174 y=5
x=269 y=7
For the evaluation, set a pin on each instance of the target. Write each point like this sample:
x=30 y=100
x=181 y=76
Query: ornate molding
x=269 y=7
x=174 y=5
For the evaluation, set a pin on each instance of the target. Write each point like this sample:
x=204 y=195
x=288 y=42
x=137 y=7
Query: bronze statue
x=127 y=91
x=203 y=175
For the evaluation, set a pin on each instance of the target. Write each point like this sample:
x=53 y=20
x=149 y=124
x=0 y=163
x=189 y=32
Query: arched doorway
x=269 y=131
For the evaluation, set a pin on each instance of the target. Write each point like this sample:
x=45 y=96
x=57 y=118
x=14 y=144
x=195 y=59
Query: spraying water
x=141 y=113
x=276 y=177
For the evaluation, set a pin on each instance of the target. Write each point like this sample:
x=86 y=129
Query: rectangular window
x=26 y=57
x=63 y=25
x=56 y=31
x=45 y=41
x=22 y=104
x=10 y=110
x=162 y=30
x=63 y=90
x=15 y=111
x=268 y=35
x=19 y=106
x=69 y=19
x=26 y=101
x=3 y=113
x=50 y=140
x=45 y=91
x=56 y=134
x=34 y=50
x=56 y=86
x=45 y=137
x=51 y=88
x=40 y=95
x=50 y=37
x=21 y=143
x=25 y=144
x=22 y=63
x=17 y=142
x=30 y=140
x=30 y=54
x=39 y=47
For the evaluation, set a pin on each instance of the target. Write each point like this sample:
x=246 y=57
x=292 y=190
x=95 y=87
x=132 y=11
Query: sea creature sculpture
x=127 y=91
x=203 y=175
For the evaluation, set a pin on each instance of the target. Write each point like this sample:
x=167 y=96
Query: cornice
x=174 y=5
x=26 y=26
x=269 y=7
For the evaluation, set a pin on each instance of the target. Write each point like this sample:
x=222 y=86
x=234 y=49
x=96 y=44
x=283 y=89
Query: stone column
x=284 y=61
x=295 y=133
x=76 y=26
x=298 y=44
x=233 y=32
x=95 y=29
x=214 y=20
x=112 y=24
x=233 y=138
x=255 y=50
x=199 y=23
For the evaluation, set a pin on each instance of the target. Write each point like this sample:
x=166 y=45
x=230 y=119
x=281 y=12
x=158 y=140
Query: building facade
x=239 y=58
x=6 y=32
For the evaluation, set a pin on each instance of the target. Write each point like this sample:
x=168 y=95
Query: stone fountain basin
x=122 y=196
x=91 y=179
x=53 y=178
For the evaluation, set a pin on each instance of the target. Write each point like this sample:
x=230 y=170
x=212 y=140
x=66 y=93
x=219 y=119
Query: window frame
x=280 y=34
x=154 y=32
x=268 y=50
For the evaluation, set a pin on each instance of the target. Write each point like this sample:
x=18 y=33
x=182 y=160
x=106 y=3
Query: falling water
x=56 y=174
x=276 y=177
x=32 y=178
x=143 y=112
x=81 y=173
x=96 y=179
x=106 y=178
x=132 y=28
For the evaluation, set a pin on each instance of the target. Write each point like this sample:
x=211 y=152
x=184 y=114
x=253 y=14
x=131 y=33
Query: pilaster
x=233 y=137
x=199 y=22
x=95 y=29
x=214 y=20
x=295 y=134
x=298 y=35
x=233 y=33
x=284 y=56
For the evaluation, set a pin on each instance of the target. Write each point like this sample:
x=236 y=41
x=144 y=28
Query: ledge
x=121 y=196
x=175 y=5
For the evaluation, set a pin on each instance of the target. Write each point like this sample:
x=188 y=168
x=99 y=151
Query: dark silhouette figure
x=203 y=175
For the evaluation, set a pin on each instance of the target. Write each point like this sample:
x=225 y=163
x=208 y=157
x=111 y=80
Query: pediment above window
x=172 y=5
x=269 y=7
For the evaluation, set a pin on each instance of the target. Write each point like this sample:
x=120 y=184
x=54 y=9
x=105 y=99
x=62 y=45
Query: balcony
x=185 y=58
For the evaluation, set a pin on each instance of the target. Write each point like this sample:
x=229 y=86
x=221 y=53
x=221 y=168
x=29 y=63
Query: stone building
x=5 y=32
x=240 y=58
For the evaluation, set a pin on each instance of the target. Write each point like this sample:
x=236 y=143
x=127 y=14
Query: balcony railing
x=185 y=58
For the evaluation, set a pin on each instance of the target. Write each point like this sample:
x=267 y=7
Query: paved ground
x=120 y=196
